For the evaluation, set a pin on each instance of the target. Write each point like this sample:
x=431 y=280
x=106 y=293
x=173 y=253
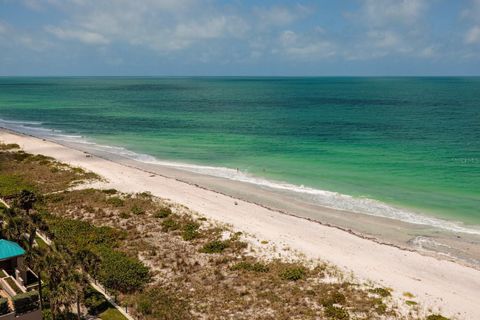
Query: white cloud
x=316 y=50
x=12 y=37
x=473 y=35
x=389 y=27
x=33 y=4
x=215 y=27
x=428 y=52
x=84 y=36
x=384 y=39
x=288 y=38
x=386 y=12
x=162 y=25
x=212 y=30
x=304 y=47
x=3 y=28
x=280 y=15
x=472 y=12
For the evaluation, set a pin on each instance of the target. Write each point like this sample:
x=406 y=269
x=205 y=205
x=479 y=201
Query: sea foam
x=323 y=198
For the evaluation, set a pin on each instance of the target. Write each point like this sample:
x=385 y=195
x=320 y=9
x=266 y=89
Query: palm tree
x=14 y=225
x=66 y=280
x=87 y=261
x=25 y=200
x=66 y=295
x=78 y=281
x=84 y=261
x=55 y=273
x=34 y=222
x=36 y=260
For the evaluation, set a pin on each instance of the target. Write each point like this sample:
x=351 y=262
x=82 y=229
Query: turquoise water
x=408 y=142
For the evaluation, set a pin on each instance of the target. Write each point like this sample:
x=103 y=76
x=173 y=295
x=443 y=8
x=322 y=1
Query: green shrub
x=43 y=160
x=336 y=313
x=436 y=317
x=215 y=246
x=25 y=302
x=136 y=210
x=381 y=307
x=77 y=170
x=334 y=298
x=4 y=308
x=112 y=314
x=57 y=197
x=78 y=235
x=11 y=185
x=293 y=273
x=20 y=156
x=190 y=231
x=120 y=272
x=169 y=225
x=116 y=270
x=124 y=215
x=158 y=304
x=47 y=314
x=163 y=212
x=146 y=195
x=237 y=245
x=247 y=266
x=116 y=201
x=95 y=302
x=9 y=146
x=382 y=292
x=109 y=191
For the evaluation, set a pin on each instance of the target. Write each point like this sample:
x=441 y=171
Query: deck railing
x=11 y=286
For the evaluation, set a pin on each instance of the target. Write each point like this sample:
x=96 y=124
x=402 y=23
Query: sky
x=239 y=38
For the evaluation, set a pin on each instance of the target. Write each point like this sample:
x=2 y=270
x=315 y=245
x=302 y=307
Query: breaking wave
x=324 y=198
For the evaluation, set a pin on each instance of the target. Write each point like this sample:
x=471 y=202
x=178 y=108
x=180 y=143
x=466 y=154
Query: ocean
x=406 y=148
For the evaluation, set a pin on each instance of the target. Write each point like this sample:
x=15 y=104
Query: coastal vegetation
x=160 y=259
x=4 y=308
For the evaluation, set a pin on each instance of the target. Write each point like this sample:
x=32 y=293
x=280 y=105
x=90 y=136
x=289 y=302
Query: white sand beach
x=441 y=285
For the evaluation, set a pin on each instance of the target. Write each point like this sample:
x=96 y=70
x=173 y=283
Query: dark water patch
x=150 y=87
x=389 y=138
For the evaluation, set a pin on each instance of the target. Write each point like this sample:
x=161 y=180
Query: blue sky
x=191 y=37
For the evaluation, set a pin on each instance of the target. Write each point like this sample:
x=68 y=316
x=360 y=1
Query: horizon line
x=238 y=76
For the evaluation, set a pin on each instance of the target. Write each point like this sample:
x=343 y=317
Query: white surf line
x=96 y=286
x=324 y=198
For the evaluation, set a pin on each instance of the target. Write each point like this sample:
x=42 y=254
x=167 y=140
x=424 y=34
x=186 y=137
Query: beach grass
x=24 y=171
x=112 y=314
x=219 y=279
x=40 y=242
x=195 y=266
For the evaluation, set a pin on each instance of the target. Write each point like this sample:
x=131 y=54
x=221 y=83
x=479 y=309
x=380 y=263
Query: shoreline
x=442 y=285
x=427 y=239
x=191 y=173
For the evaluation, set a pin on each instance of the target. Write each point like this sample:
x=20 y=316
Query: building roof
x=9 y=249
